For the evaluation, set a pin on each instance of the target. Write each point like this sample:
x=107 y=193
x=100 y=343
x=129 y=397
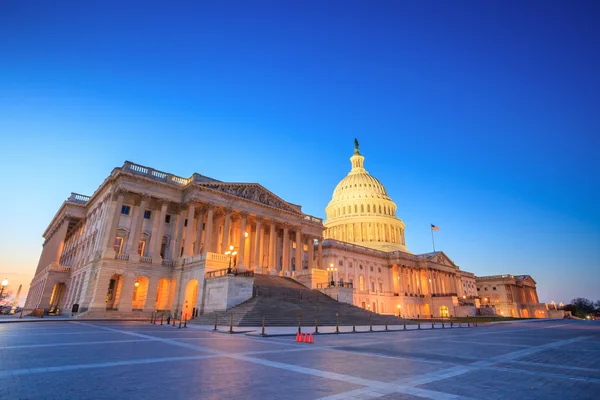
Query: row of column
x=367 y=232
x=411 y=281
x=203 y=233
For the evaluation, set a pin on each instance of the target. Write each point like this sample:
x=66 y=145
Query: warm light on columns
x=5 y=282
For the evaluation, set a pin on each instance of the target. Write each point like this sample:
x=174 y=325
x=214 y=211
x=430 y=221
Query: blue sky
x=481 y=118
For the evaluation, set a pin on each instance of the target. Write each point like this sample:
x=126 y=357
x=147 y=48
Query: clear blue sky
x=480 y=117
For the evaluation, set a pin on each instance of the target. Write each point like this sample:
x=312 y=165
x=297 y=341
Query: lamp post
x=230 y=253
x=399 y=308
x=332 y=269
x=4 y=283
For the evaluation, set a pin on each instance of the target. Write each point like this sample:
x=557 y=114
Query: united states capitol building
x=150 y=241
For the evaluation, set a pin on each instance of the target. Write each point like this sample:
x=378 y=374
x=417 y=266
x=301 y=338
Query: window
x=167 y=219
x=118 y=245
x=368 y=208
x=372 y=286
x=362 y=208
x=361 y=283
x=147 y=214
x=163 y=249
x=371 y=269
x=360 y=266
x=380 y=287
x=125 y=210
x=141 y=247
x=341 y=280
x=341 y=263
x=349 y=265
x=485 y=288
x=444 y=311
x=185 y=222
x=494 y=288
x=378 y=269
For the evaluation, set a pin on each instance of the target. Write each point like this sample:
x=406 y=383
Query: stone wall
x=227 y=291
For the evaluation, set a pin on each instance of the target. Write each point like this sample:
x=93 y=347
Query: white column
x=299 y=249
x=161 y=229
x=311 y=253
x=154 y=239
x=320 y=253
x=199 y=230
x=134 y=234
x=286 y=249
x=257 y=243
x=241 y=253
x=209 y=229
x=272 y=243
x=176 y=244
x=226 y=233
x=188 y=249
x=109 y=238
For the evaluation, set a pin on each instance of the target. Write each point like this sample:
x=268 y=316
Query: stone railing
x=78 y=198
x=146 y=260
x=168 y=263
x=205 y=256
x=313 y=219
x=155 y=174
x=59 y=268
x=122 y=257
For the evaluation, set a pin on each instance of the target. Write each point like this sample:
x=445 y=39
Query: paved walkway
x=134 y=360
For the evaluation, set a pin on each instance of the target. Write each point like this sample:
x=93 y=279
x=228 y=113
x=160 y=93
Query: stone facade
x=511 y=296
x=147 y=241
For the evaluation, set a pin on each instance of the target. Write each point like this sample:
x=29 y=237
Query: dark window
x=341 y=263
x=185 y=222
x=360 y=266
x=125 y=210
x=147 y=214
x=167 y=219
x=378 y=269
x=494 y=288
x=478 y=289
x=371 y=269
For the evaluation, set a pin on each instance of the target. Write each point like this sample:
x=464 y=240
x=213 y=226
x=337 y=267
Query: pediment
x=443 y=259
x=253 y=192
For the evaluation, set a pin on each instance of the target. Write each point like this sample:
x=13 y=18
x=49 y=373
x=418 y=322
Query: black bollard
x=353 y=325
x=263 y=327
x=161 y=319
x=215 y=328
x=371 y=323
x=317 y=325
x=418 y=321
x=185 y=322
x=337 y=323
x=230 y=322
x=404 y=322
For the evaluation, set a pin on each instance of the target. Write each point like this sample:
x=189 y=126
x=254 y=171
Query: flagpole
x=432 y=241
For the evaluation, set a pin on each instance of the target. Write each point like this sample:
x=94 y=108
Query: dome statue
x=361 y=212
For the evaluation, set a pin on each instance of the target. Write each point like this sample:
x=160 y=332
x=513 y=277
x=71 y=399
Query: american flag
x=434 y=228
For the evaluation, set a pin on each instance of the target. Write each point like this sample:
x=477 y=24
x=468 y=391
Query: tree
x=582 y=307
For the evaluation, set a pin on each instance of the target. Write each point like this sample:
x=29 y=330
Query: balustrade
x=146 y=260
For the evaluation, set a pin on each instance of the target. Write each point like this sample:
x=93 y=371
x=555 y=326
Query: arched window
x=355 y=208
x=368 y=208
x=361 y=283
x=362 y=208
x=380 y=209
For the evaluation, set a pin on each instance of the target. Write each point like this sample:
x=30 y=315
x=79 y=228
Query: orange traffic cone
x=298 y=337
x=310 y=340
x=305 y=338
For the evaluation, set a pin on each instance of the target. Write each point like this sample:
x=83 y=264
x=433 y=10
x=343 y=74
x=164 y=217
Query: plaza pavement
x=138 y=360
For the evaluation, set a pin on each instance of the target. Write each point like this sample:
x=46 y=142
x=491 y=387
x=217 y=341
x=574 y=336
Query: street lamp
x=4 y=283
x=332 y=269
x=399 y=308
x=230 y=253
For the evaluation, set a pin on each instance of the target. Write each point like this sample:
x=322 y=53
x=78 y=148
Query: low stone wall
x=465 y=311
x=227 y=291
x=343 y=295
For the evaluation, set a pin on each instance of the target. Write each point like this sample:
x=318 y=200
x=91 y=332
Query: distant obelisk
x=16 y=300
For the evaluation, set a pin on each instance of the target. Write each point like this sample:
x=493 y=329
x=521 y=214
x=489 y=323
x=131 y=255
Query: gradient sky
x=480 y=117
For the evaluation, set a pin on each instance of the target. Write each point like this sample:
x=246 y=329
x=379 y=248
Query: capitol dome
x=361 y=212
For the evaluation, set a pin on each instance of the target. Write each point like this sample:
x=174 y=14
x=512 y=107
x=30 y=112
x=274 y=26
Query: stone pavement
x=135 y=360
